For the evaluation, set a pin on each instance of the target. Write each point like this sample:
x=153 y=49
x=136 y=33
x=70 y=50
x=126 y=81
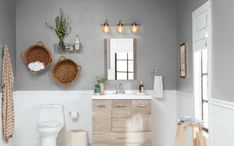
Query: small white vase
x=102 y=88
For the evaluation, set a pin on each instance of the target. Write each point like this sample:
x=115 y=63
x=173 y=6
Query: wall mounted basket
x=65 y=71
x=37 y=52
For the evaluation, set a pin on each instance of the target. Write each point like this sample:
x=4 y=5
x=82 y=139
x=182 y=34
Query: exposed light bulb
x=106 y=27
x=120 y=27
x=134 y=27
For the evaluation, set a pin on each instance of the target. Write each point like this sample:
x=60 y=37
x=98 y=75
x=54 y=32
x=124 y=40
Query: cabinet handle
x=120 y=106
x=101 y=106
x=141 y=106
x=121 y=137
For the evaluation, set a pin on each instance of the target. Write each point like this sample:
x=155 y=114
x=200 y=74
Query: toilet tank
x=51 y=113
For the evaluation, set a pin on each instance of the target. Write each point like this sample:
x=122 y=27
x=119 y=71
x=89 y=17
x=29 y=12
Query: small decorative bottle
x=102 y=88
x=141 y=87
x=77 y=43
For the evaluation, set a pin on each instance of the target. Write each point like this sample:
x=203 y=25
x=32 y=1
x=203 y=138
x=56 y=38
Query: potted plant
x=97 y=88
x=101 y=80
x=61 y=27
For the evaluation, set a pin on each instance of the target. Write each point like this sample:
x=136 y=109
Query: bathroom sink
x=122 y=96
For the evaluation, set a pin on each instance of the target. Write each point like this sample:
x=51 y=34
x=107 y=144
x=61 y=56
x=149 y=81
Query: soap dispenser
x=141 y=87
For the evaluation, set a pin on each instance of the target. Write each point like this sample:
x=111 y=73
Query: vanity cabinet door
x=121 y=115
x=141 y=115
x=101 y=115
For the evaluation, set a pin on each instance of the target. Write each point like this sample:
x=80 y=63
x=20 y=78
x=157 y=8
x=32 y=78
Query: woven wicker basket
x=65 y=71
x=37 y=52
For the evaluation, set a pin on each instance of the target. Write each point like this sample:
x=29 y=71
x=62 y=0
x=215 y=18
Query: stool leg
x=202 y=140
x=194 y=137
x=177 y=135
x=184 y=135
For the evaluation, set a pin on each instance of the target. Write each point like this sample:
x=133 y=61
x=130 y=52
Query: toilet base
x=48 y=141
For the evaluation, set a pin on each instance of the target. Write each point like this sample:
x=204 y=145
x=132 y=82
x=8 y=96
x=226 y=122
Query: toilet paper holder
x=74 y=115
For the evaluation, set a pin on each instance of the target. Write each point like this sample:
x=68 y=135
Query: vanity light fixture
x=106 y=27
x=134 y=27
x=120 y=27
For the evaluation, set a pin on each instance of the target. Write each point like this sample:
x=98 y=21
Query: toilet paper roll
x=78 y=138
x=74 y=115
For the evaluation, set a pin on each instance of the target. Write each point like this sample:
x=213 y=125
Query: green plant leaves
x=62 y=26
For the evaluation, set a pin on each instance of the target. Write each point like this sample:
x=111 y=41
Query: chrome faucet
x=120 y=89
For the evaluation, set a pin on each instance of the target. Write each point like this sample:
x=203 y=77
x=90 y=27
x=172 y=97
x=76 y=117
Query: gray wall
x=156 y=42
x=7 y=28
x=223 y=42
x=184 y=34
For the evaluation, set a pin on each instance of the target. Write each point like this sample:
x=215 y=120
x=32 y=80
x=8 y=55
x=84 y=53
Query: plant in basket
x=61 y=27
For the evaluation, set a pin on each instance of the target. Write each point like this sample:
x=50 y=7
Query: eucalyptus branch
x=61 y=27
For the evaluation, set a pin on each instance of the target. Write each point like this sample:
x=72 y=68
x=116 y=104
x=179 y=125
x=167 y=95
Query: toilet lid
x=51 y=124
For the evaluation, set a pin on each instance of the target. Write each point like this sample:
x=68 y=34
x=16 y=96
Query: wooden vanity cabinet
x=101 y=116
x=121 y=122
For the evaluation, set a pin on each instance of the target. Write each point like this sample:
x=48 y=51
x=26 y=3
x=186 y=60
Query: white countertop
x=122 y=96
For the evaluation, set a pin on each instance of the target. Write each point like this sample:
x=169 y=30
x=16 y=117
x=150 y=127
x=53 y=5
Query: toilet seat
x=49 y=124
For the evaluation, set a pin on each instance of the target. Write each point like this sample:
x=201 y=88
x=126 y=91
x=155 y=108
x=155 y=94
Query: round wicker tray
x=65 y=71
x=37 y=52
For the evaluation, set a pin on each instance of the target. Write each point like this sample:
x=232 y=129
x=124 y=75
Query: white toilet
x=50 y=123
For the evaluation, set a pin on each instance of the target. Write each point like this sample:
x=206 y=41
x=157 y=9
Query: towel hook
x=156 y=72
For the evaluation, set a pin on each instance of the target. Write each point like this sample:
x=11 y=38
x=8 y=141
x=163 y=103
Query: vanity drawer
x=122 y=138
x=141 y=106
x=101 y=115
x=121 y=115
x=141 y=115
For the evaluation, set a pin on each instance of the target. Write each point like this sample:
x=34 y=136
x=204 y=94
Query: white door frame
x=207 y=7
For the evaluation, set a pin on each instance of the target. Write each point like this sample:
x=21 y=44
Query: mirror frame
x=107 y=57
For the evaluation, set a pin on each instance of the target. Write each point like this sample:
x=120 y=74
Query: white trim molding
x=222 y=103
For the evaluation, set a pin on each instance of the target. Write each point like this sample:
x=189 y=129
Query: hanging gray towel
x=8 y=113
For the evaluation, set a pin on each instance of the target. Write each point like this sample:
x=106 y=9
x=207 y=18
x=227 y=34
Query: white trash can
x=77 y=137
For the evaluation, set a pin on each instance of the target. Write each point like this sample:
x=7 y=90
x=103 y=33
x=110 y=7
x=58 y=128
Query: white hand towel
x=158 y=87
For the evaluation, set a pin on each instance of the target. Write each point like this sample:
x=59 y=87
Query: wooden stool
x=184 y=127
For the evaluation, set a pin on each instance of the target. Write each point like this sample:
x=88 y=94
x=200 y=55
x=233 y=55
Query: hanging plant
x=61 y=27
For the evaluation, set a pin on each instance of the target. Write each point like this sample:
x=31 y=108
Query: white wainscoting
x=185 y=104
x=165 y=112
x=185 y=107
x=27 y=105
x=27 y=109
x=222 y=128
x=164 y=119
